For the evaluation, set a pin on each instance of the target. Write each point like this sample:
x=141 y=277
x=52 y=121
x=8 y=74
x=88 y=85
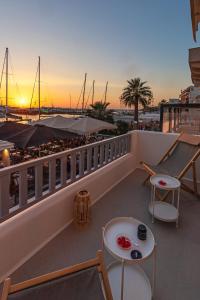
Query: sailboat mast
x=83 y=102
x=6 y=56
x=106 y=92
x=70 y=101
x=93 y=91
x=39 y=84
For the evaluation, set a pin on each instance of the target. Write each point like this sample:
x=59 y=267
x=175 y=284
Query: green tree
x=136 y=93
x=99 y=110
x=122 y=127
x=163 y=101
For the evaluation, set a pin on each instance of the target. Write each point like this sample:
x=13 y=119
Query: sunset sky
x=111 y=40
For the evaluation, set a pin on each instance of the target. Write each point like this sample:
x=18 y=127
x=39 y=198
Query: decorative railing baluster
x=52 y=175
x=73 y=167
x=63 y=170
x=38 y=181
x=106 y=153
x=101 y=155
x=4 y=194
x=96 y=153
x=81 y=163
x=111 y=151
x=23 y=188
x=89 y=159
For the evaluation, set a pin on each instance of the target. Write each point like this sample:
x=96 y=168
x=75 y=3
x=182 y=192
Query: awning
x=37 y=135
x=87 y=125
x=7 y=129
x=194 y=62
x=5 y=145
x=195 y=16
x=58 y=122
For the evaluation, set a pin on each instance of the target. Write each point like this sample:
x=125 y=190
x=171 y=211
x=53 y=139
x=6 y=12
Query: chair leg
x=186 y=188
x=146 y=180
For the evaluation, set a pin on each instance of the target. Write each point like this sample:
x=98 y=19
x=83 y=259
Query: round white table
x=127 y=279
x=164 y=211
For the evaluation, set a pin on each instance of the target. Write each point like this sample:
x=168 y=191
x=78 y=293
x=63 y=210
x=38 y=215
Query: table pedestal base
x=136 y=282
x=164 y=211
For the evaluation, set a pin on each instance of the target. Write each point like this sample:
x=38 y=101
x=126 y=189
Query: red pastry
x=162 y=182
x=124 y=242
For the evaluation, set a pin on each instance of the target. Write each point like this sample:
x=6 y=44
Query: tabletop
x=128 y=227
x=165 y=182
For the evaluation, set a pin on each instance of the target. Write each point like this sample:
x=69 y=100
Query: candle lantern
x=82 y=208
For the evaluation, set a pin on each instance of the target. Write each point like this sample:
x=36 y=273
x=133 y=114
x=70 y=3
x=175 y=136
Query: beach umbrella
x=9 y=128
x=58 y=122
x=5 y=145
x=87 y=125
x=38 y=135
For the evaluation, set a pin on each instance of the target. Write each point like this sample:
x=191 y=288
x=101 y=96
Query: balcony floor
x=178 y=270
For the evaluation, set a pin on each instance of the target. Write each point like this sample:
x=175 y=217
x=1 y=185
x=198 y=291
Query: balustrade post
x=38 y=181
x=121 y=140
x=101 y=155
x=81 y=163
x=161 y=117
x=106 y=153
x=52 y=175
x=63 y=170
x=73 y=167
x=89 y=159
x=114 y=149
x=128 y=138
x=111 y=150
x=4 y=195
x=123 y=146
x=23 y=188
x=175 y=119
x=96 y=157
x=170 y=119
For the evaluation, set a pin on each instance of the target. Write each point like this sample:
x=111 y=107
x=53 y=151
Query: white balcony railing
x=23 y=184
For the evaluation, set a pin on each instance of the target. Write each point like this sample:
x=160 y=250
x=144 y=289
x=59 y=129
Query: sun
x=22 y=102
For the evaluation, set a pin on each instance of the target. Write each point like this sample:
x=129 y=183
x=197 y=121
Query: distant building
x=174 y=100
x=190 y=95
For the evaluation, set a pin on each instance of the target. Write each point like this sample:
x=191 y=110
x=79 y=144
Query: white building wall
x=194 y=95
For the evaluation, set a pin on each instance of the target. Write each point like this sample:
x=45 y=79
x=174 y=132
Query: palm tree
x=99 y=111
x=136 y=93
x=163 y=101
x=100 y=107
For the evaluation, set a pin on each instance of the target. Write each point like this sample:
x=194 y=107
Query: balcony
x=41 y=238
x=180 y=118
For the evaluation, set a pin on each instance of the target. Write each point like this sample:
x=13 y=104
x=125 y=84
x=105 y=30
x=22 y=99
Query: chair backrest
x=185 y=150
x=189 y=139
x=87 y=280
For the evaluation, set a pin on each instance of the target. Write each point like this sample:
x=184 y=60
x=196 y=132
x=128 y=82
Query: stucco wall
x=24 y=234
x=152 y=145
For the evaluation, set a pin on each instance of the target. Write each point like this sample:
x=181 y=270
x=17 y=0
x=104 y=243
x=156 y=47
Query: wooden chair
x=176 y=162
x=87 y=280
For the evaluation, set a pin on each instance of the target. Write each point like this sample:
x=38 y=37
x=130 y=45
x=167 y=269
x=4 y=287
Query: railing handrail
x=33 y=180
x=181 y=105
x=173 y=117
x=41 y=160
